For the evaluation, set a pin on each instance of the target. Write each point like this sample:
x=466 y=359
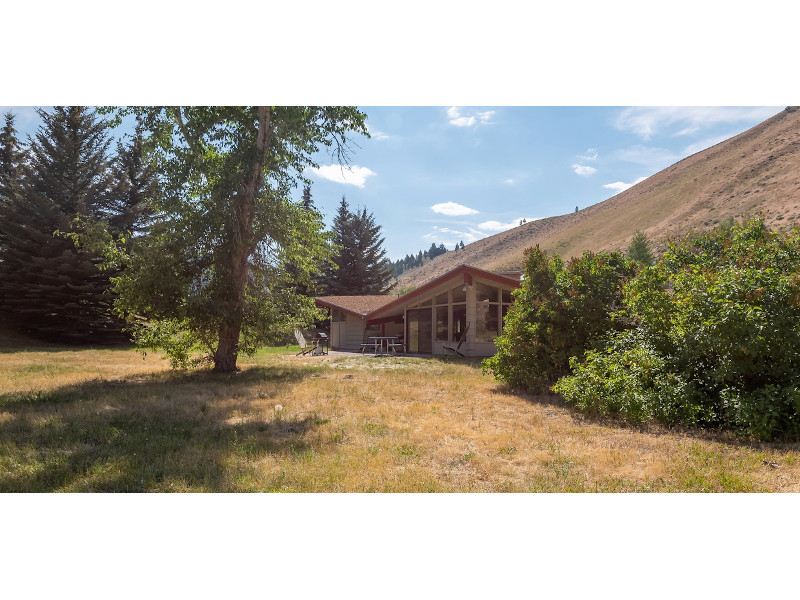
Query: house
x=430 y=317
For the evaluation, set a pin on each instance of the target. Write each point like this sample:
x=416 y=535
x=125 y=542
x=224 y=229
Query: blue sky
x=444 y=175
x=447 y=174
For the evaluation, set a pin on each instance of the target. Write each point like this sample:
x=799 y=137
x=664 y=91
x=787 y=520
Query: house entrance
x=420 y=330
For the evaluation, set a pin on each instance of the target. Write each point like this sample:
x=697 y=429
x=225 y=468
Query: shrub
x=559 y=311
x=717 y=338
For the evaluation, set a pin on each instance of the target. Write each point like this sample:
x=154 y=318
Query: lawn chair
x=461 y=339
x=304 y=347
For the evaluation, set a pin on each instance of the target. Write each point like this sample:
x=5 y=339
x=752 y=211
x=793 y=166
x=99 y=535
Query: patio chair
x=304 y=347
x=461 y=340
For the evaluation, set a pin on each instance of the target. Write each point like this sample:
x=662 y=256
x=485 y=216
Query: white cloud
x=376 y=135
x=354 y=175
x=449 y=236
x=460 y=120
x=509 y=181
x=621 y=186
x=591 y=154
x=686 y=131
x=463 y=121
x=451 y=209
x=652 y=120
x=584 y=170
x=497 y=226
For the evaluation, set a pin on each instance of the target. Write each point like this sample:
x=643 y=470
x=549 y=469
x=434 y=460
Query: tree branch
x=176 y=112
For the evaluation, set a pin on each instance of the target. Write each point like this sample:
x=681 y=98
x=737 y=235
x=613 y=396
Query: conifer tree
x=374 y=270
x=10 y=168
x=137 y=184
x=361 y=263
x=308 y=202
x=639 y=250
x=47 y=286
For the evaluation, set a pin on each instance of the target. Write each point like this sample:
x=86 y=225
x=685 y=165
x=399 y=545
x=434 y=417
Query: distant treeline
x=411 y=261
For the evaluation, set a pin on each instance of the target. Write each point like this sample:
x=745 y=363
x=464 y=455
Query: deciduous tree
x=211 y=272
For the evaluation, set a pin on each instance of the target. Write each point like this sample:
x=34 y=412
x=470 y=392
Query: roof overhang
x=462 y=274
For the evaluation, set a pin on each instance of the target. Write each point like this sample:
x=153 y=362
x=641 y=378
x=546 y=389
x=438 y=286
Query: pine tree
x=362 y=266
x=639 y=250
x=10 y=169
x=308 y=202
x=137 y=184
x=374 y=270
x=47 y=286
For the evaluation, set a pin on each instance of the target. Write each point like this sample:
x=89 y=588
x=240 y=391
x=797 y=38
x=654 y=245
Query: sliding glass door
x=420 y=330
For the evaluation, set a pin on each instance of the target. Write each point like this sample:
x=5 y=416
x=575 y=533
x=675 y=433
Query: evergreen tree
x=308 y=202
x=47 y=286
x=137 y=183
x=374 y=268
x=639 y=250
x=338 y=278
x=10 y=168
x=362 y=266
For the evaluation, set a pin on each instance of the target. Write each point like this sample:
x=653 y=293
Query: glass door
x=420 y=330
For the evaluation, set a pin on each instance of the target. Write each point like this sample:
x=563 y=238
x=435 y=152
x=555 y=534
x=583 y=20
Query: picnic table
x=384 y=343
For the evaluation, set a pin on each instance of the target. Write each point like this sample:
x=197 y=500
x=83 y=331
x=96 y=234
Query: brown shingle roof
x=357 y=305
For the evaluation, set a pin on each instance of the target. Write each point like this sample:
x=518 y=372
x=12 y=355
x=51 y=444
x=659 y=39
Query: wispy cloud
x=377 y=135
x=621 y=186
x=497 y=226
x=448 y=236
x=452 y=209
x=584 y=170
x=649 y=121
x=653 y=158
x=591 y=154
x=354 y=175
x=459 y=119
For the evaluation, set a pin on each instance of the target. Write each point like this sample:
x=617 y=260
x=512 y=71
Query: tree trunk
x=227 y=348
x=240 y=248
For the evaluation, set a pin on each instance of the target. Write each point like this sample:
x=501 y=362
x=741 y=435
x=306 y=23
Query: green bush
x=559 y=311
x=717 y=339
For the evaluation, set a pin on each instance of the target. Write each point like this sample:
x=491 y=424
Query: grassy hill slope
x=755 y=172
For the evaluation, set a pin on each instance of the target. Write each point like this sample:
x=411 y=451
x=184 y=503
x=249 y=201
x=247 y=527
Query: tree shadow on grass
x=188 y=431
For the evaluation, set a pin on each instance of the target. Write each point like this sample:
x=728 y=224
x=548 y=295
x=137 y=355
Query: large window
x=488 y=312
x=492 y=306
x=459 y=296
x=442 y=318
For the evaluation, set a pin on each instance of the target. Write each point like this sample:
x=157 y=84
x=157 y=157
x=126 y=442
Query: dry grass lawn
x=107 y=420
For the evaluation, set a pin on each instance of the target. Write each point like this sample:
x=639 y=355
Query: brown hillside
x=755 y=172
